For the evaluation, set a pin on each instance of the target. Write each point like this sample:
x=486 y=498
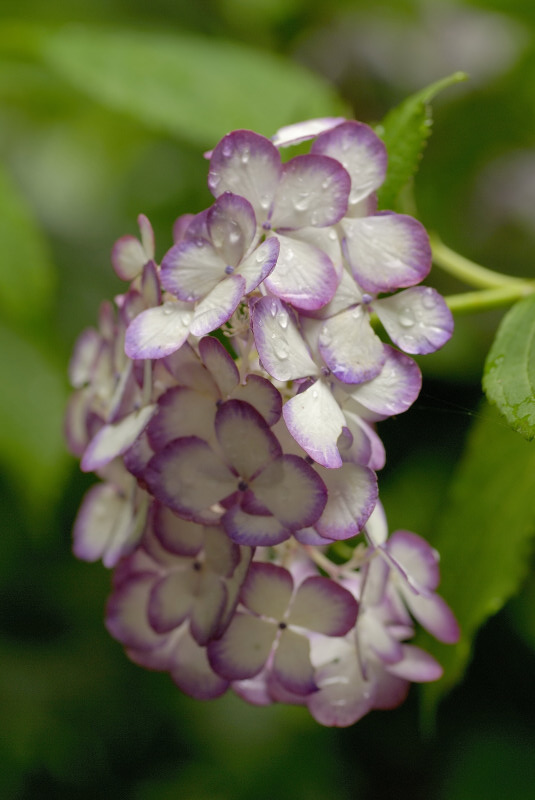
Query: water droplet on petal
x=281 y=349
x=273 y=308
x=406 y=318
x=234 y=237
x=186 y=319
x=314 y=394
x=245 y=156
x=429 y=300
x=264 y=201
x=167 y=308
x=282 y=319
x=301 y=202
x=325 y=337
x=228 y=149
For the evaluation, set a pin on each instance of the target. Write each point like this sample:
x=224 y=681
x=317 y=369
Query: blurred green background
x=105 y=109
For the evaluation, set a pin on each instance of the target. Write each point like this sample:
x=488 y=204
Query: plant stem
x=488 y=299
x=468 y=271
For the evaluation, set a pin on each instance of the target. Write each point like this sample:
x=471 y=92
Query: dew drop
x=282 y=319
x=429 y=300
x=314 y=394
x=301 y=203
x=228 y=149
x=264 y=201
x=406 y=318
x=245 y=156
x=168 y=308
x=273 y=308
x=234 y=237
x=281 y=350
x=326 y=183
x=186 y=319
x=326 y=337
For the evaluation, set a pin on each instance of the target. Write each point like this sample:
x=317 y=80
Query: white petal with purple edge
x=220 y=365
x=394 y=390
x=267 y=590
x=281 y=347
x=323 y=606
x=358 y=148
x=291 y=664
x=253 y=530
x=188 y=477
x=220 y=554
x=301 y=131
x=126 y=614
x=352 y=494
x=83 y=358
x=147 y=236
x=417 y=320
x=171 y=599
x=387 y=251
x=263 y=396
x=303 y=276
x=315 y=421
x=181 y=412
x=176 y=535
x=258 y=265
x=113 y=440
x=208 y=607
x=434 y=615
x=243 y=649
x=218 y=305
x=192 y=672
x=191 y=269
x=313 y=191
x=104 y=516
x=244 y=437
x=158 y=331
x=292 y=490
x=416 y=666
x=350 y=347
x=416 y=557
x=231 y=225
x=128 y=257
x=248 y=165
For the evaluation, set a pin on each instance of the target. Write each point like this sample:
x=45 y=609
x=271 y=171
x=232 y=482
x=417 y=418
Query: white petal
x=218 y=305
x=158 y=331
x=387 y=251
x=315 y=420
x=350 y=347
x=417 y=320
x=303 y=276
x=352 y=495
x=281 y=347
x=114 y=440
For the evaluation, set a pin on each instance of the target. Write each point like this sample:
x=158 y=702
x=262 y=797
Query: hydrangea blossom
x=228 y=402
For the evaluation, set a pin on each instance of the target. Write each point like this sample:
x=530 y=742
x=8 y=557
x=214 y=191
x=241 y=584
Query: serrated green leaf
x=192 y=87
x=32 y=403
x=405 y=131
x=484 y=537
x=27 y=278
x=509 y=377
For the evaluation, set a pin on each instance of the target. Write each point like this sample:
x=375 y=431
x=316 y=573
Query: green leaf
x=405 y=131
x=27 y=278
x=509 y=377
x=32 y=403
x=195 y=88
x=484 y=537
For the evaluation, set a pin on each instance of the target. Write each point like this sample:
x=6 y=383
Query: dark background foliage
x=81 y=155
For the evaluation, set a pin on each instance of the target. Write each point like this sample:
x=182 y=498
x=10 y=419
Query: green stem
x=469 y=272
x=488 y=299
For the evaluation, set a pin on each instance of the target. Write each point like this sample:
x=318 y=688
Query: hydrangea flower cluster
x=228 y=402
